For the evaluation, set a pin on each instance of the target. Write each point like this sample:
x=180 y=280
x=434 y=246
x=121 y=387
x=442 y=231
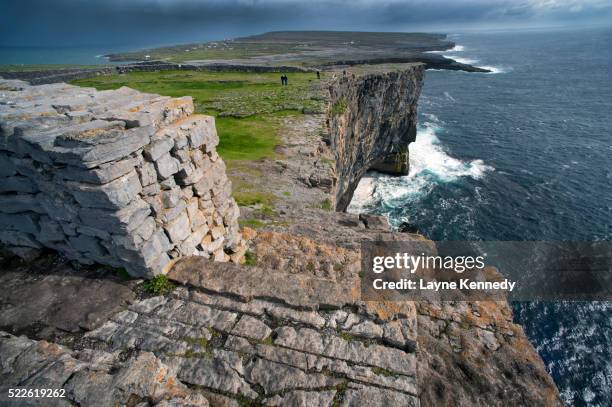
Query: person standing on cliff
x=282 y=80
x=318 y=75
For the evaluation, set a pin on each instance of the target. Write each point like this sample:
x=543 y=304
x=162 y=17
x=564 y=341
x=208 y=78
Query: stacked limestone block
x=115 y=177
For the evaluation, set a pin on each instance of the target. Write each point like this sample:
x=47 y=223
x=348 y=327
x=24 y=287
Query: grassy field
x=248 y=107
x=207 y=51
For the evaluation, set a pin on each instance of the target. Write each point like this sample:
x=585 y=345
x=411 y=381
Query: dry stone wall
x=116 y=177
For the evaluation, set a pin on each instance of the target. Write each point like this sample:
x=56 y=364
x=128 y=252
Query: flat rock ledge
x=216 y=342
x=231 y=335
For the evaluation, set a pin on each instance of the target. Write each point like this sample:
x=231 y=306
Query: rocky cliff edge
x=289 y=331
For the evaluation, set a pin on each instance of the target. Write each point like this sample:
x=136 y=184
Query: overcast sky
x=157 y=22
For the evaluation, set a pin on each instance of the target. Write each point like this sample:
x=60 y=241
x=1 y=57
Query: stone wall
x=46 y=76
x=117 y=177
x=372 y=119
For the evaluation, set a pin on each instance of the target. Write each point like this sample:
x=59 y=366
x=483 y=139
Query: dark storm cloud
x=154 y=22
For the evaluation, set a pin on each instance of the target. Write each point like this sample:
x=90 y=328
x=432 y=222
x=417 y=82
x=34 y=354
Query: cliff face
x=468 y=353
x=371 y=121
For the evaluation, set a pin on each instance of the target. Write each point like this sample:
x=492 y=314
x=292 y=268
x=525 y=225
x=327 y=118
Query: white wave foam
x=449 y=53
x=456 y=48
x=429 y=165
x=467 y=61
x=432 y=119
x=494 y=69
x=428 y=156
x=365 y=191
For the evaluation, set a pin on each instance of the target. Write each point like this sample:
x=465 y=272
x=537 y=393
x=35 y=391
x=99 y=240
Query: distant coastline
x=268 y=52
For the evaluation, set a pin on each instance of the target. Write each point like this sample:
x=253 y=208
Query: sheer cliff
x=372 y=119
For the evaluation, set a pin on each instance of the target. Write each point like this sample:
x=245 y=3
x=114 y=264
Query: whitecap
x=428 y=156
x=432 y=118
x=467 y=61
x=494 y=69
x=588 y=395
x=364 y=194
x=456 y=48
x=430 y=165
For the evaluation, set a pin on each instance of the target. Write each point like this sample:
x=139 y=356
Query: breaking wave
x=494 y=69
x=430 y=165
x=456 y=48
x=461 y=60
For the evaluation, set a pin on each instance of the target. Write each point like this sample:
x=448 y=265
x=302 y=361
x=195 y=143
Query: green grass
x=158 y=285
x=251 y=138
x=268 y=341
x=326 y=204
x=347 y=336
x=248 y=194
x=339 y=107
x=237 y=94
x=383 y=372
x=123 y=274
x=265 y=211
x=251 y=223
x=249 y=107
x=201 y=342
x=340 y=390
x=250 y=259
x=249 y=198
x=204 y=51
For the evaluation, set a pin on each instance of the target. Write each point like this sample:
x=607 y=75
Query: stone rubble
x=117 y=177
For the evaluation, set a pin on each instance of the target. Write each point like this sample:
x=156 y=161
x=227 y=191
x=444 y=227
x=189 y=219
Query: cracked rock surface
x=214 y=344
x=230 y=337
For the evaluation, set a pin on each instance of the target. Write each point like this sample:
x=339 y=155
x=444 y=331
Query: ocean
x=522 y=153
x=53 y=55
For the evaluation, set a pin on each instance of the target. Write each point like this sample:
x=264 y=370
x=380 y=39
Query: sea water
x=56 y=55
x=522 y=153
